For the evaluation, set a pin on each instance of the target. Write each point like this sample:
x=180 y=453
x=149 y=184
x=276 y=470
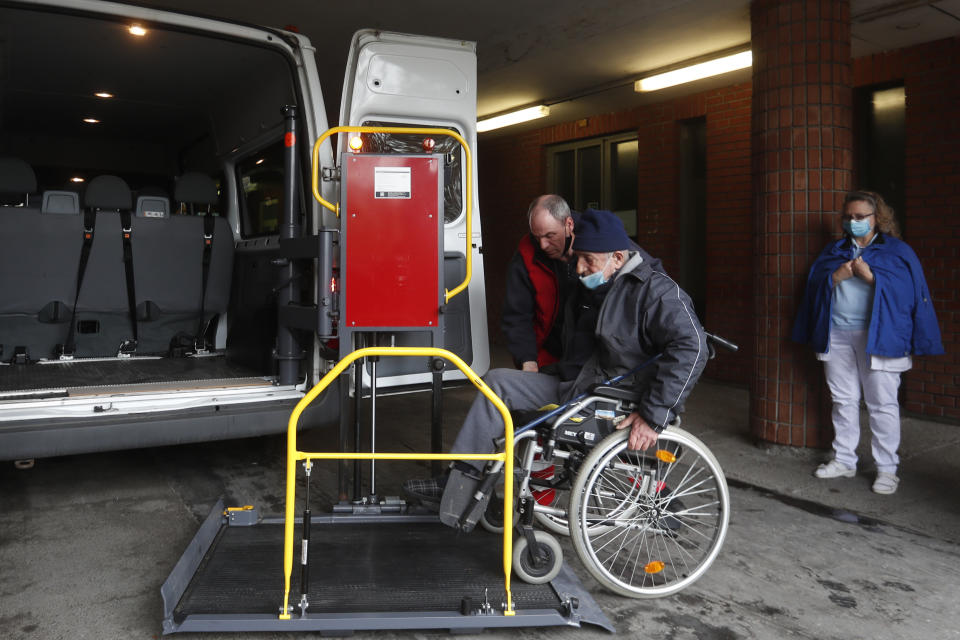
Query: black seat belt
x=200 y=341
x=129 y=347
x=68 y=348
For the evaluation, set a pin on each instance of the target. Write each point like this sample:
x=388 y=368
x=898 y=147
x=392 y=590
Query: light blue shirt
x=853 y=299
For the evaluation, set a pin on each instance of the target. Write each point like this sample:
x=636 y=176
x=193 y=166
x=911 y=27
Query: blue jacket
x=902 y=321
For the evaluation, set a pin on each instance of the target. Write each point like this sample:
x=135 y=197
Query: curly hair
x=886 y=221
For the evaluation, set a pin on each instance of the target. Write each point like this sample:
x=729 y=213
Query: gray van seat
x=167 y=253
x=17 y=182
x=38 y=266
x=67 y=202
x=168 y=262
x=197 y=193
x=103 y=317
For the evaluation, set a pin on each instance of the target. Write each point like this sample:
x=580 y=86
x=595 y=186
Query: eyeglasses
x=858 y=218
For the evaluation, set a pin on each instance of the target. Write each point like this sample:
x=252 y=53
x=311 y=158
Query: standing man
x=540 y=277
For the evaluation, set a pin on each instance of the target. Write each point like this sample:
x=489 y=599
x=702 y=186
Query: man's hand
x=642 y=436
x=530 y=365
x=862 y=270
x=843 y=273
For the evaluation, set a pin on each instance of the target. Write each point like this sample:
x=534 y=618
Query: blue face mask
x=856 y=228
x=594 y=280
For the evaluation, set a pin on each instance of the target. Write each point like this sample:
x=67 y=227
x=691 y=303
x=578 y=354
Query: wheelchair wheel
x=546 y=567
x=647 y=524
x=492 y=518
x=551 y=522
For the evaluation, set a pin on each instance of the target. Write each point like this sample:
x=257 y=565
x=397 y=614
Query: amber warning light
x=356 y=143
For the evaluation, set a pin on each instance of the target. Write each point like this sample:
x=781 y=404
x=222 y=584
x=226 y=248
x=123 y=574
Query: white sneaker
x=886 y=483
x=834 y=469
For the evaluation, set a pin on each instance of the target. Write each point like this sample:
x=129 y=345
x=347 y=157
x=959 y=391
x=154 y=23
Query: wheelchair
x=644 y=524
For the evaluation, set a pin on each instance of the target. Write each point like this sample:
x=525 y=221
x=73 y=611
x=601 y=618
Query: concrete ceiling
x=579 y=57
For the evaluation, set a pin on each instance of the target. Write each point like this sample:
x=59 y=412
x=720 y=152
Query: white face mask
x=596 y=279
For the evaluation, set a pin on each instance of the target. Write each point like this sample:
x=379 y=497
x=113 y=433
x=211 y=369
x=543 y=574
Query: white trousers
x=848 y=370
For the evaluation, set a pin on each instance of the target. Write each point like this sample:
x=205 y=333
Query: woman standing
x=865 y=311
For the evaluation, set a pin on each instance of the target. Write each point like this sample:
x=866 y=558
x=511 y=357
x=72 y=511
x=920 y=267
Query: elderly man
x=540 y=277
x=639 y=311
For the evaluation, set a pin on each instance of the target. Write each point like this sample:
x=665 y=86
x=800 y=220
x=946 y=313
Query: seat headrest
x=108 y=192
x=196 y=188
x=60 y=202
x=153 y=207
x=16 y=176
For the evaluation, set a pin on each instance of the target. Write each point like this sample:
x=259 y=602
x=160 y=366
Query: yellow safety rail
x=293 y=456
x=315 y=171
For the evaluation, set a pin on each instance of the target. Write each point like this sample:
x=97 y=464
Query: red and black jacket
x=532 y=304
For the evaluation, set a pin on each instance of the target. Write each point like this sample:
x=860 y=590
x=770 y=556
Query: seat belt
x=67 y=349
x=129 y=347
x=200 y=342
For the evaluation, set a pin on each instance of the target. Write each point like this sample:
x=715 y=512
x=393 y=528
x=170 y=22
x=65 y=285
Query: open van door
x=398 y=80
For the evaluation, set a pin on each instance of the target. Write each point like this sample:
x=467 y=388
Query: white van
x=142 y=191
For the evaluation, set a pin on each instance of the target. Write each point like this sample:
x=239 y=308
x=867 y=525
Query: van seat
x=67 y=202
x=17 y=182
x=38 y=268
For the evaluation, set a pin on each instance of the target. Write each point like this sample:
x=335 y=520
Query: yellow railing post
x=294 y=455
x=315 y=182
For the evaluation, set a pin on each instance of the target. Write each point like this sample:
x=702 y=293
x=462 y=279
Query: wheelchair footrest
x=465 y=498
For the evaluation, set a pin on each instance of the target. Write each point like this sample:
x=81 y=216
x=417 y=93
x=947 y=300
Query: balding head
x=551 y=225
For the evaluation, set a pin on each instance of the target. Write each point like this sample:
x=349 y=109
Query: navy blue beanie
x=600 y=232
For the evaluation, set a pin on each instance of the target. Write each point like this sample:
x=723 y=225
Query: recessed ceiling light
x=91 y=121
x=103 y=94
x=76 y=179
x=260 y=161
x=137 y=30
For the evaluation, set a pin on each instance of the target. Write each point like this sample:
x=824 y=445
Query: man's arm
x=517 y=319
x=669 y=323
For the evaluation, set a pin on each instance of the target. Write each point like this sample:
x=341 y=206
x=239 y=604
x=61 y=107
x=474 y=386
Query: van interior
x=140 y=195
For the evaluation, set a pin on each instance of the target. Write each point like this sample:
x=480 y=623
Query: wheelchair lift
x=373 y=564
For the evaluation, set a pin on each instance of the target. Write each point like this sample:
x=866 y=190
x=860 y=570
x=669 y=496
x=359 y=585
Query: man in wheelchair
x=625 y=313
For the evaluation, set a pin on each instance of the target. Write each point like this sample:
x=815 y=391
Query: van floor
x=139 y=373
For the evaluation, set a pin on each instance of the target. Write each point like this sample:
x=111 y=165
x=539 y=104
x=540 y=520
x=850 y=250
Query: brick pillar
x=801 y=147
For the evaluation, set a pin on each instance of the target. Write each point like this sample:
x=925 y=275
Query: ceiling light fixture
x=699 y=71
x=137 y=30
x=103 y=94
x=514 y=117
x=76 y=179
x=91 y=121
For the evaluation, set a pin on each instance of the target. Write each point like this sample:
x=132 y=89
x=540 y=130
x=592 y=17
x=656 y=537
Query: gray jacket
x=646 y=313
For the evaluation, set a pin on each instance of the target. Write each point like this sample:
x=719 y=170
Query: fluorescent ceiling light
x=695 y=72
x=514 y=117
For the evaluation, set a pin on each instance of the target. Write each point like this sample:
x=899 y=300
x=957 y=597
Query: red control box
x=391 y=225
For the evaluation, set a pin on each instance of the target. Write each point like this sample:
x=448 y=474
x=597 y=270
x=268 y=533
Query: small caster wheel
x=543 y=569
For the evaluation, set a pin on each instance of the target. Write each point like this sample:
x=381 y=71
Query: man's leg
x=519 y=390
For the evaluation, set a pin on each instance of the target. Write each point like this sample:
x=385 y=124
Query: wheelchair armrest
x=613 y=393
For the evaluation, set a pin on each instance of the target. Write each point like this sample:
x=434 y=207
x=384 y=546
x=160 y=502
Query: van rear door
x=415 y=81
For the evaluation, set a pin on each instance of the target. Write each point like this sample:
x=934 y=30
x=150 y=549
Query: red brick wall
x=512 y=173
x=931 y=76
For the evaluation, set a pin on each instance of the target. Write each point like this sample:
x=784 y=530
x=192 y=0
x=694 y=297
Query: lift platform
x=372 y=572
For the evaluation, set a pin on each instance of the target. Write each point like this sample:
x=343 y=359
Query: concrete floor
x=86 y=541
